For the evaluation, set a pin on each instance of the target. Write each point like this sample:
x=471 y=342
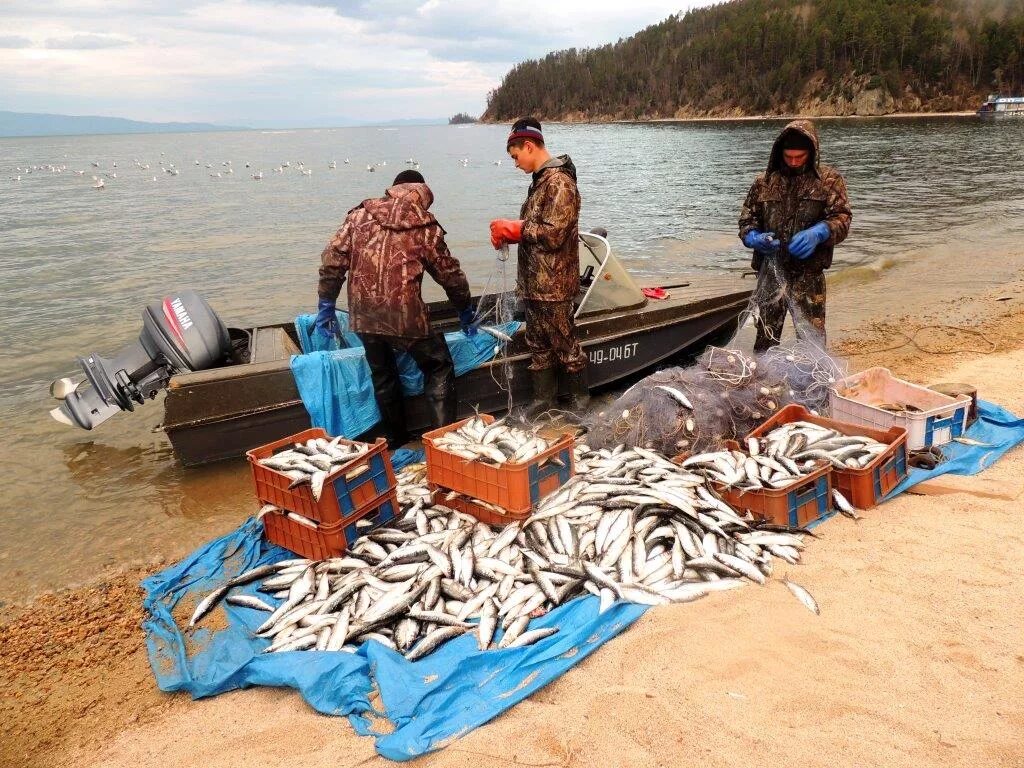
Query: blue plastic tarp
x=437 y=699
x=206 y=662
x=996 y=428
x=335 y=384
x=428 y=702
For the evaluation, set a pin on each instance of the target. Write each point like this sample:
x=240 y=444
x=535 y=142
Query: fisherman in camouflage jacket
x=384 y=247
x=793 y=216
x=547 y=232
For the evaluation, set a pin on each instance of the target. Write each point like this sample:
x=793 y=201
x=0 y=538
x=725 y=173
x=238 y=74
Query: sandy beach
x=916 y=658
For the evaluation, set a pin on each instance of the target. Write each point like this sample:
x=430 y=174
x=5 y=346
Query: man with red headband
x=547 y=233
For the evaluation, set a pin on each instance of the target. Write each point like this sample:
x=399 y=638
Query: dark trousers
x=551 y=337
x=801 y=294
x=434 y=360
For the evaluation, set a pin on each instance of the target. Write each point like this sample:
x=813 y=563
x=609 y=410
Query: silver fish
x=803 y=596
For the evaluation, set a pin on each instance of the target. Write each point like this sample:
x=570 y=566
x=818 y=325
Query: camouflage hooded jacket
x=785 y=204
x=549 y=261
x=385 y=245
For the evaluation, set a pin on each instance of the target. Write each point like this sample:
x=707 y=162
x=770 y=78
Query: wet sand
x=916 y=659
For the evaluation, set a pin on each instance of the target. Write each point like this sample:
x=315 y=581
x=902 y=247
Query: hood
x=803 y=127
x=562 y=163
x=404 y=206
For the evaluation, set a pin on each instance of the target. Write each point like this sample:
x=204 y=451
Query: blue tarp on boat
x=335 y=384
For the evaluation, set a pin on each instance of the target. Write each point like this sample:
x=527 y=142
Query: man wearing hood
x=794 y=214
x=547 y=232
x=384 y=246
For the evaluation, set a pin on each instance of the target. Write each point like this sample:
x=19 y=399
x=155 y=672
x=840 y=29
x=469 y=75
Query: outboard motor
x=180 y=333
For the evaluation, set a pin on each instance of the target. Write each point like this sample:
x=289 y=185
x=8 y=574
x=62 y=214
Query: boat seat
x=269 y=344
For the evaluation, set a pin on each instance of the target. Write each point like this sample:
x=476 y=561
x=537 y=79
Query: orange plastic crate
x=867 y=487
x=480 y=512
x=804 y=501
x=348 y=488
x=328 y=539
x=801 y=502
x=515 y=487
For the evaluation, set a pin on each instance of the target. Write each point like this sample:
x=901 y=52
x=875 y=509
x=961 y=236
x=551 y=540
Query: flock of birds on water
x=225 y=168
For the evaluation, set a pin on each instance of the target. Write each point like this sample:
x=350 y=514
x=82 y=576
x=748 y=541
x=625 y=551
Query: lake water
x=938 y=211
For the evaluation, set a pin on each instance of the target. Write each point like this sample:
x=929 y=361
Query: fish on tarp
x=631 y=526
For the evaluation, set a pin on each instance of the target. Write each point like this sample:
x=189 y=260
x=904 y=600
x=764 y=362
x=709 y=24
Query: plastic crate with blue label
x=865 y=487
x=319 y=541
x=513 y=487
x=348 y=489
x=803 y=501
x=876 y=398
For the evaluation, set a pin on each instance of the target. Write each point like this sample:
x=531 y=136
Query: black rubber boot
x=392 y=418
x=387 y=388
x=434 y=359
x=442 y=408
x=579 y=393
x=545 y=384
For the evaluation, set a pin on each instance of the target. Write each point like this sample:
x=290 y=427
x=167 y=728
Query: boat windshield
x=605 y=285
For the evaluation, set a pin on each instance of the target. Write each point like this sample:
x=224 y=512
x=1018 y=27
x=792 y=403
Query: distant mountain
x=407 y=121
x=35 y=124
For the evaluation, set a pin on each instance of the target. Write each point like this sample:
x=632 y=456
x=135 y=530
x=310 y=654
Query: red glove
x=505 y=231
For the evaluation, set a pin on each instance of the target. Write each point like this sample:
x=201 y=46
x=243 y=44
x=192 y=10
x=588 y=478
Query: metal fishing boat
x=250 y=397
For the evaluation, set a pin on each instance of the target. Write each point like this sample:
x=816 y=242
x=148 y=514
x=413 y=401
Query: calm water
x=938 y=203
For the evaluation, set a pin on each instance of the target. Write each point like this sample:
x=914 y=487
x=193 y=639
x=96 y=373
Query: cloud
x=14 y=41
x=85 y=42
x=287 y=61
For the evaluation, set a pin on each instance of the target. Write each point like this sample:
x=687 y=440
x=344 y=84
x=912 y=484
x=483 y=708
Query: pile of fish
x=786 y=454
x=412 y=484
x=311 y=462
x=498 y=443
x=807 y=442
x=631 y=526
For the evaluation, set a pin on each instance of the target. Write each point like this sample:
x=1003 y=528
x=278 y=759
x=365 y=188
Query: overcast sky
x=294 y=62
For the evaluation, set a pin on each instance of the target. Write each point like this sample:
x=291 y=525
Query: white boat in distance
x=1002 y=106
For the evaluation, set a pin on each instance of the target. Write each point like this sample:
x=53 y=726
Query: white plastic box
x=856 y=398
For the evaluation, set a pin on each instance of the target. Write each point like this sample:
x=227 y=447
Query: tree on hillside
x=758 y=56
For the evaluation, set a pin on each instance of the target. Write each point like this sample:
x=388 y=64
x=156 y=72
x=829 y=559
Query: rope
x=911 y=339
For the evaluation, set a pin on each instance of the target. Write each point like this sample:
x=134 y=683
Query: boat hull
x=220 y=414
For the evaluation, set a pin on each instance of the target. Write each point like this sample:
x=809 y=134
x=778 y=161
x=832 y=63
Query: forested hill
x=816 y=57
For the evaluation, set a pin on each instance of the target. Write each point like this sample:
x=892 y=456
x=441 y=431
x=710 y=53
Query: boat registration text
x=611 y=354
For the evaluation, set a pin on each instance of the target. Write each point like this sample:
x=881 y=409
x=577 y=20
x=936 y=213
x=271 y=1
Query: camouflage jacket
x=385 y=246
x=785 y=204
x=549 y=261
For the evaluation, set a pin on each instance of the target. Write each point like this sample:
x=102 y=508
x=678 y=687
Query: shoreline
x=742 y=118
x=80 y=691
x=788 y=118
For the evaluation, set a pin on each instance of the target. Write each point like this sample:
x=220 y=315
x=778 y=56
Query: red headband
x=527 y=132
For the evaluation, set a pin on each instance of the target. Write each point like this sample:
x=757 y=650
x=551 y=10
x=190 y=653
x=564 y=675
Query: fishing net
x=727 y=392
x=496 y=307
x=772 y=298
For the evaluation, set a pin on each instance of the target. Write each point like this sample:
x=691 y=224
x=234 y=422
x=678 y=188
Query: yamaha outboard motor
x=180 y=333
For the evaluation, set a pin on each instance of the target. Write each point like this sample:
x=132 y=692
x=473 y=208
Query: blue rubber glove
x=806 y=240
x=466 y=321
x=764 y=242
x=326 y=323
